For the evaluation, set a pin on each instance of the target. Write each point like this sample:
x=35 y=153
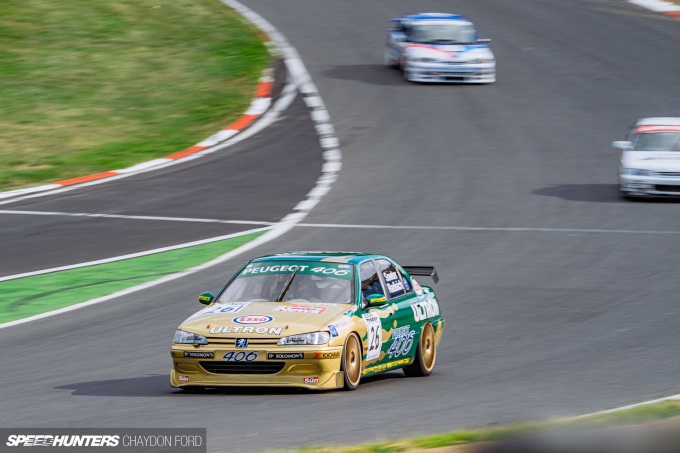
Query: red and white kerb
x=660 y=6
x=259 y=105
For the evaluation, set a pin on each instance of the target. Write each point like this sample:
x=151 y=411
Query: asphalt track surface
x=547 y=322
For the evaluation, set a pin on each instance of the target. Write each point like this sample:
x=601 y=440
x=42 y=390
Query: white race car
x=650 y=159
x=437 y=47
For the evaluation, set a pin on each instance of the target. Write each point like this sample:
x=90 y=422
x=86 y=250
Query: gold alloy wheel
x=428 y=350
x=426 y=354
x=352 y=362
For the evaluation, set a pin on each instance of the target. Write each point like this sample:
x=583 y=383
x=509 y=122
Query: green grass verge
x=636 y=415
x=34 y=295
x=91 y=86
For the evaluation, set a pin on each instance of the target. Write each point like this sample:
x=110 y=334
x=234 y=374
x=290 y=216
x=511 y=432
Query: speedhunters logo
x=38 y=440
x=90 y=439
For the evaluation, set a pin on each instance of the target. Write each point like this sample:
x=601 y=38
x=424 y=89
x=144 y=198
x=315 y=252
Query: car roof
x=660 y=121
x=329 y=256
x=435 y=16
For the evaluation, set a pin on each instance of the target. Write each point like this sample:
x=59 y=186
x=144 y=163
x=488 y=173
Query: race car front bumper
x=649 y=186
x=443 y=72
x=311 y=367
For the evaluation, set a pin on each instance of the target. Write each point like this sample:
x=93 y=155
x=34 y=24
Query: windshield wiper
x=287 y=285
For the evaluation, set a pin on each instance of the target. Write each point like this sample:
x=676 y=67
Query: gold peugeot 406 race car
x=318 y=320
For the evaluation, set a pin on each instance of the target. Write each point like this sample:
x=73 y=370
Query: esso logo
x=253 y=319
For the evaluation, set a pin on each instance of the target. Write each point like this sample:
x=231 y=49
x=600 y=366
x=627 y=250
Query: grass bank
x=42 y=293
x=637 y=415
x=90 y=86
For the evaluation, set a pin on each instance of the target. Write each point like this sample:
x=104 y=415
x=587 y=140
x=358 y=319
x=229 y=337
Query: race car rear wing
x=428 y=271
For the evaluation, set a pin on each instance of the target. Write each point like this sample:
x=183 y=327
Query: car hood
x=652 y=160
x=267 y=319
x=454 y=51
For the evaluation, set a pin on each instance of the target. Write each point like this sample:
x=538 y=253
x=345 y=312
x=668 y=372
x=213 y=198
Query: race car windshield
x=657 y=141
x=271 y=281
x=444 y=34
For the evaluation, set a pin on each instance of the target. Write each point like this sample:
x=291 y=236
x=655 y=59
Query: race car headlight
x=306 y=338
x=183 y=337
x=637 y=172
x=481 y=60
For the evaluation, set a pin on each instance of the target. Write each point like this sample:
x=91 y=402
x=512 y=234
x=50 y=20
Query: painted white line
x=313 y=102
x=332 y=155
x=330 y=142
x=320 y=115
x=318 y=191
x=306 y=205
x=321 y=189
x=330 y=167
x=631 y=406
x=137 y=217
x=131 y=255
x=302 y=80
x=455 y=228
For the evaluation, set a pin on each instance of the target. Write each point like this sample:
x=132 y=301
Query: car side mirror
x=206 y=298
x=484 y=40
x=623 y=145
x=376 y=299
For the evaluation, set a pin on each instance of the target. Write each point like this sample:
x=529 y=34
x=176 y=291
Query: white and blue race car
x=437 y=47
x=650 y=159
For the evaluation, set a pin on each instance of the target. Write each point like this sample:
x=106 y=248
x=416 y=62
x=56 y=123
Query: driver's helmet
x=302 y=287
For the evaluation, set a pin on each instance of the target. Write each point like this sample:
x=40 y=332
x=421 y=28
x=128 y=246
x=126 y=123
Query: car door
x=371 y=284
x=400 y=344
x=390 y=336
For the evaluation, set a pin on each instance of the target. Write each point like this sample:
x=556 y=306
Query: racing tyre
x=404 y=70
x=389 y=62
x=426 y=354
x=405 y=73
x=351 y=362
x=627 y=196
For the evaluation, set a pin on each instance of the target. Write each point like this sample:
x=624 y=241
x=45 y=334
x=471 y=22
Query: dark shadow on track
x=158 y=385
x=382 y=377
x=378 y=74
x=653 y=200
x=598 y=193
x=374 y=74
x=152 y=385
